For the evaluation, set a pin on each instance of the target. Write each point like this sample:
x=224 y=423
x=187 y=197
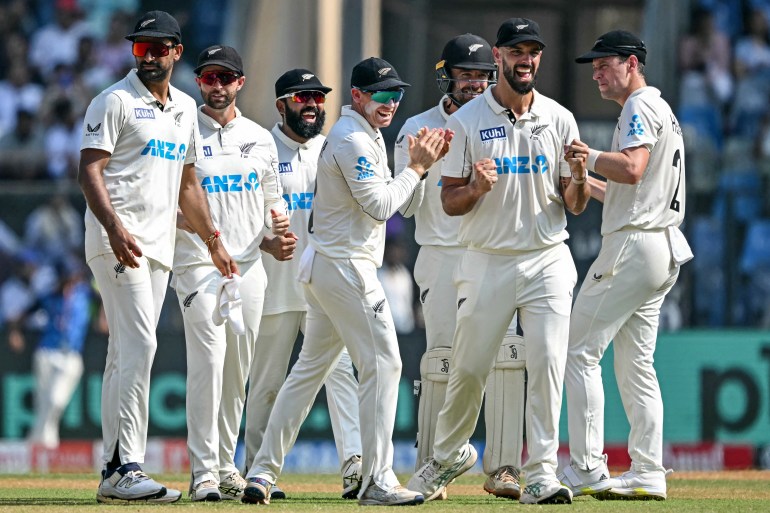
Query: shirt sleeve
x=401 y=159
x=365 y=169
x=103 y=122
x=638 y=126
x=458 y=160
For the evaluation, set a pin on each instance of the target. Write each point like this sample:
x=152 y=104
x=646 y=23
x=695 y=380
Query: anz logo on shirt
x=521 y=165
x=637 y=126
x=164 y=150
x=364 y=168
x=230 y=183
x=299 y=201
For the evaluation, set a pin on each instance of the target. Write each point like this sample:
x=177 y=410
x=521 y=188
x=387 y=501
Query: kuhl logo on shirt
x=284 y=167
x=230 y=183
x=488 y=134
x=144 y=113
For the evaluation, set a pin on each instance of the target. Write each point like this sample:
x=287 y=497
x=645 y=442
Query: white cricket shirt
x=658 y=200
x=297 y=164
x=148 y=148
x=238 y=171
x=524 y=210
x=355 y=192
x=433 y=227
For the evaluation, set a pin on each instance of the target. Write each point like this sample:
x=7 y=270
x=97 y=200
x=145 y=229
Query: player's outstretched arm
x=91 y=180
x=195 y=208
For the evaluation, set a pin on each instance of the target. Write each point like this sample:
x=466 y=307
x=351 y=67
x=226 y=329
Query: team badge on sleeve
x=364 y=168
x=637 y=127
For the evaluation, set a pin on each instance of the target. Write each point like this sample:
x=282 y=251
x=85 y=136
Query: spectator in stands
x=57 y=42
x=752 y=51
x=114 y=51
x=21 y=151
x=55 y=228
x=18 y=92
x=704 y=58
x=62 y=141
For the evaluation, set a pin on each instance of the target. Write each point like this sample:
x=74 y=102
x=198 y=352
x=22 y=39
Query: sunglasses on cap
x=140 y=48
x=305 y=96
x=224 y=77
x=385 y=97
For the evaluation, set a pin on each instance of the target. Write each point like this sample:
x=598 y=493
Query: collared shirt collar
x=288 y=141
x=535 y=109
x=211 y=122
x=442 y=109
x=142 y=90
x=347 y=110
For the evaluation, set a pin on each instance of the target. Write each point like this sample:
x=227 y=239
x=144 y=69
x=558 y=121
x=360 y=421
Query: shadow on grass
x=38 y=501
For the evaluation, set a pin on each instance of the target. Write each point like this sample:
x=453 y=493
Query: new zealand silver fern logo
x=246 y=149
x=178 y=118
x=537 y=130
x=378 y=307
x=189 y=299
x=424 y=295
x=119 y=269
x=460 y=302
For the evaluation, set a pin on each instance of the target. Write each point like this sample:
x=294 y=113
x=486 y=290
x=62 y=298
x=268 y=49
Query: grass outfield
x=734 y=492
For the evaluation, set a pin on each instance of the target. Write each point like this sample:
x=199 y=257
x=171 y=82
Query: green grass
x=703 y=492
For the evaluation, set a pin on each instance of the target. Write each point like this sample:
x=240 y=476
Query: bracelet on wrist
x=579 y=181
x=210 y=240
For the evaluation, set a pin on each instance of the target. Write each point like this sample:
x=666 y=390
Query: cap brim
x=522 y=39
x=590 y=56
x=218 y=63
x=295 y=88
x=385 y=84
x=152 y=33
x=474 y=65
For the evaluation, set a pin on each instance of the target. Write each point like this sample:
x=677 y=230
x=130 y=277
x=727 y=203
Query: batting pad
x=504 y=406
x=434 y=373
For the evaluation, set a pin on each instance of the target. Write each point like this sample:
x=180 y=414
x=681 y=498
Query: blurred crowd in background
x=55 y=55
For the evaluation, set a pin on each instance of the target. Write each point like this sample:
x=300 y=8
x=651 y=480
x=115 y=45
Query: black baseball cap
x=157 y=24
x=468 y=51
x=299 y=79
x=517 y=30
x=616 y=42
x=220 y=55
x=374 y=74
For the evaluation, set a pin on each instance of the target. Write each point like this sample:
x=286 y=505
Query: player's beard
x=466 y=94
x=219 y=103
x=513 y=81
x=158 y=74
x=303 y=128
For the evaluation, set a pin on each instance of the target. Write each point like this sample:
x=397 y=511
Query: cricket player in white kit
x=136 y=166
x=642 y=250
x=238 y=172
x=300 y=98
x=466 y=68
x=355 y=195
x=506 y=174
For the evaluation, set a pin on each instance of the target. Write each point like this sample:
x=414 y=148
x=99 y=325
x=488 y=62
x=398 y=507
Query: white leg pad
x=504 y=406
x=434 y=374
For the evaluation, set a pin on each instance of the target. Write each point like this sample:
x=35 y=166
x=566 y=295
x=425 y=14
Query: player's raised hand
x=485 y=174
x=280 y=222
x=425 y=148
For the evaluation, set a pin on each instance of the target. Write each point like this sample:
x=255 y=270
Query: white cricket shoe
x=637 y=486
x=257 y=491
x=207 y=490
x=133 y=486
x=504 y=482
x=398 y=496
x=351 y=477
x=277 y=493
x=431 y=479
x=546 y=492
x=586 y=482
x=231 y=486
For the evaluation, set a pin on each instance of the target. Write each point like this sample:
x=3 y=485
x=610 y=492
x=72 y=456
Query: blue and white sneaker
x=257 y=491
x=130 y=484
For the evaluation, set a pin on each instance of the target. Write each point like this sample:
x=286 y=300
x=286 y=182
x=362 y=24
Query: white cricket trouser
x=57 y=374
x=619 y=300
x=347 y=309
x=132 y=300
x=491 y=287
x=277 y=334
x=218 y=364
x=434 y=274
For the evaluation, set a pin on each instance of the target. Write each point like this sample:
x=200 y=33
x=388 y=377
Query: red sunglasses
x=305 y=96
x=140 y=49
x=224 y=77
